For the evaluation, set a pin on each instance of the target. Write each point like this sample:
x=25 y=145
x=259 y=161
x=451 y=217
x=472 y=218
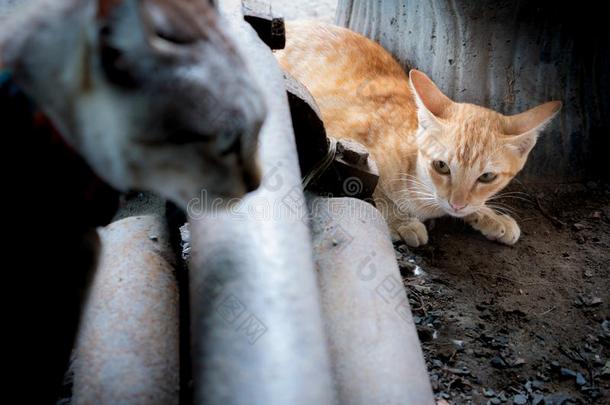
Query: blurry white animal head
x=152 y=92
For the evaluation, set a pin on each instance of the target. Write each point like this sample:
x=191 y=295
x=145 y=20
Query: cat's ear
x=525 y=127
x=431 y=102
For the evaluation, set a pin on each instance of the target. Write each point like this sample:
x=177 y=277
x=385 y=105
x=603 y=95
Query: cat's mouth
x=460 y=214
x=457 y=213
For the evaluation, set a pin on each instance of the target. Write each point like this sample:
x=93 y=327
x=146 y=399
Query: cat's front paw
x=498 y=227
x=413 y=233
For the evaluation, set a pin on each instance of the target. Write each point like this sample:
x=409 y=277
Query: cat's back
x=362 y=92
x=327 y=56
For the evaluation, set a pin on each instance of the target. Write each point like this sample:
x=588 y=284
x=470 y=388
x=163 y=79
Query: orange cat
x=435 y=156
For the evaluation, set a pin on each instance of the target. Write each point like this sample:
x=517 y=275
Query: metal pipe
x=374 y=347
x=127 y=349
x=257 y=334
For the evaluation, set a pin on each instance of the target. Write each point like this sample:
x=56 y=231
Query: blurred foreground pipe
x=374 y=348
x=127 y=349
x=257 y=334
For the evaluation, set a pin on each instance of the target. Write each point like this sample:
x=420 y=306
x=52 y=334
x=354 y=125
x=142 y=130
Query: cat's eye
x=441 y=167
x=487 y=177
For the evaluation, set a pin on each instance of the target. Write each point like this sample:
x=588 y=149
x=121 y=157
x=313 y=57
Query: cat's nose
x=458 y=207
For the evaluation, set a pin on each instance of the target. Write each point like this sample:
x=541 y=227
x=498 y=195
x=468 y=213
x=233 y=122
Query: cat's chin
x=458 y=214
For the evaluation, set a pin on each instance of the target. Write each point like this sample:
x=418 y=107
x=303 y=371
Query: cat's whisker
x=419 y=185
x=513 y=197
x=408 y=193
x=418 y=191
x=503 y=209
x=425 y=201
x=497 y=204
x=412 y=194
x=430 y=207
x=512 y=193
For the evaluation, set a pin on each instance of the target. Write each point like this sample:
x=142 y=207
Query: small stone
x=580 y=379
x=458 y=344
x=425 y=333
x=537 y=399
x=579 y=226
x=498 y=362
x=557 y=399
x=519 y=399
x=606 y=370
x=566 y=372
x=445 y=353
x=488 y=392
x=459 y=371
x=519 y=361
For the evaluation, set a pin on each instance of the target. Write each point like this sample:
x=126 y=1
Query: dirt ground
x=527 y=324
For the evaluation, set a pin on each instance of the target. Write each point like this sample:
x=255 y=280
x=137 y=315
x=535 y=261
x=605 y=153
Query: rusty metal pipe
x=374 y=347
x=127 y=349
x=257 y=334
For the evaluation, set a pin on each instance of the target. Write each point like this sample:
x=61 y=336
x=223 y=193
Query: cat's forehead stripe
x=474 y=136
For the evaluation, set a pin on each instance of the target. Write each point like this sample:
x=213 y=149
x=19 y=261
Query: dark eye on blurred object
x=175 y=36
x=114 y=65
x=172 y=28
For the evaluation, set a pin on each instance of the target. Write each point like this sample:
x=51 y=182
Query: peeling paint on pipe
x=127 y=350
x=257 y=332
x=374 y=347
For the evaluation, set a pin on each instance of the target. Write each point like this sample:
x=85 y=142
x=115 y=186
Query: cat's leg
x=403 y=225
x=413 y=232
x=408 y=229
x=494 y=226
